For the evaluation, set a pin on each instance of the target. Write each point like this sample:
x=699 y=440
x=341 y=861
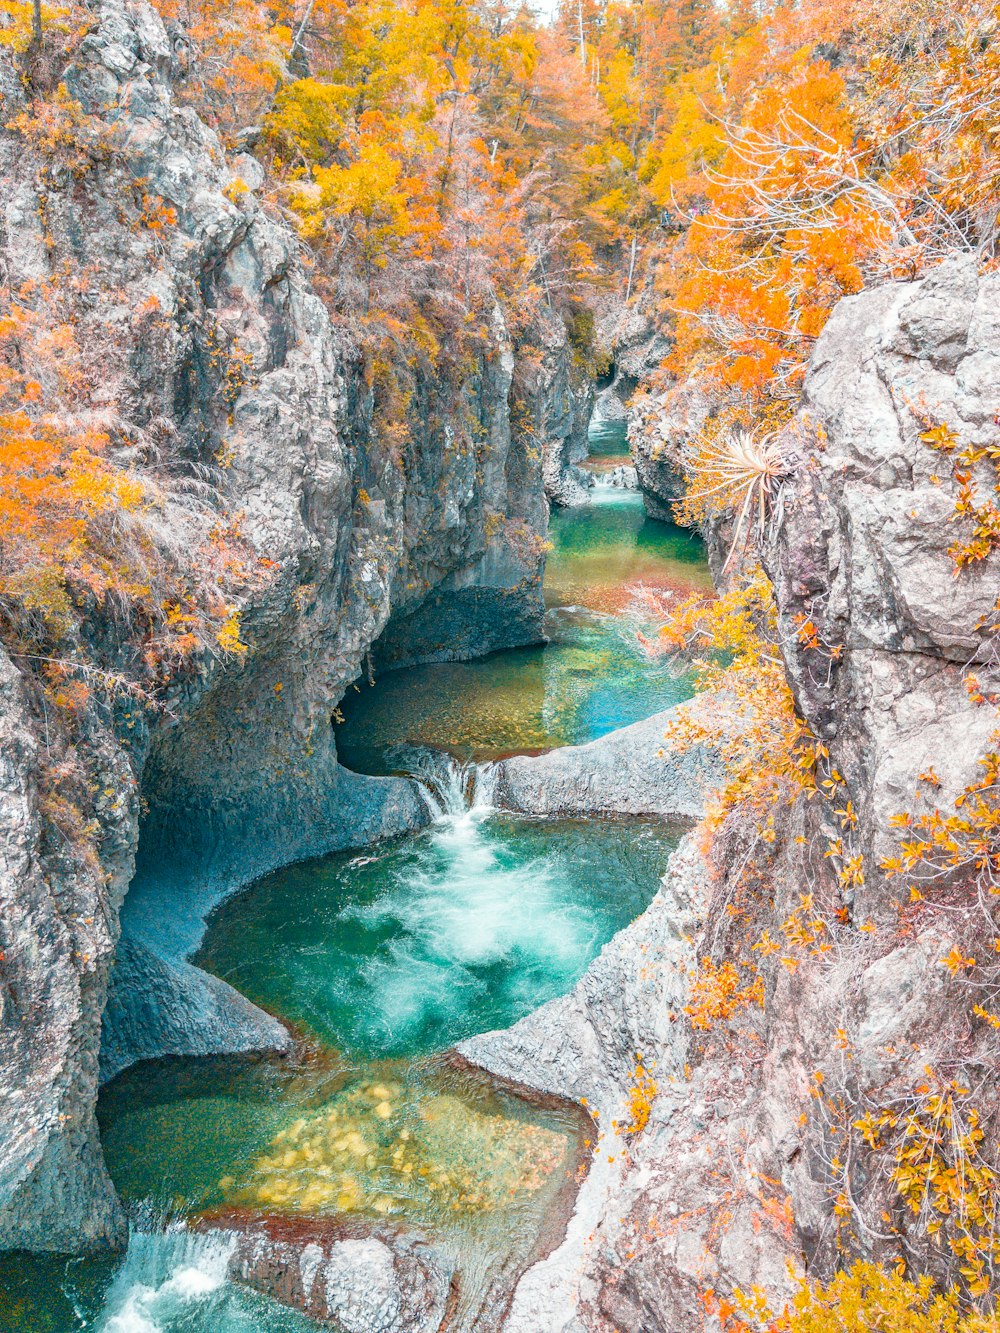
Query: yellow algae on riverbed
x=379 y=1149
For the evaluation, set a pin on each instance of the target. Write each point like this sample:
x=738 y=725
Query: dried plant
x=746 y=474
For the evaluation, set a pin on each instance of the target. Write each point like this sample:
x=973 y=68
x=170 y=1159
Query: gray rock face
x=584 y=1046
x=624 y=772
x=863 y=549
x=54 y=940
x=245 y=410
x=661 y=425
x=609 y=406
x=563 y=398
x=395 y=1284
x=741 y=1168
x=158 y=1006
x=637 y=347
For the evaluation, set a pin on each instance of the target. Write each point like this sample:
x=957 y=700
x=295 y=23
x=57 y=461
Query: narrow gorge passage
x=608 y=568
x=380 y=961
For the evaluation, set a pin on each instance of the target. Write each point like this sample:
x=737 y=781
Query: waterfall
x=450 y=786
x=170 y=1278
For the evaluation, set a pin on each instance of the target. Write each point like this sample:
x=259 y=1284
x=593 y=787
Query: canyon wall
x=250 y=414
x=750 y=1168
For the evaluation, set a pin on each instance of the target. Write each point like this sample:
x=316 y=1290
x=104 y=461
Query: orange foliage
x=59 y=492
x=236 y=56
x=765 y=748
x=718 y=991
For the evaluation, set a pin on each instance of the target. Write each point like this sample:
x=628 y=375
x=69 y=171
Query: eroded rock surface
x=363 y=1284
x=662 y=424
x=864 y=548
x=250 y=412
x=624 y=773
x=742 y=1169
x=560 y=398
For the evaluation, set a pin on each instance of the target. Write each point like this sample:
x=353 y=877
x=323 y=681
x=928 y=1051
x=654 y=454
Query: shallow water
x=607 y=439
x=429 y=1141
x=170 y=1281
x=593 y=675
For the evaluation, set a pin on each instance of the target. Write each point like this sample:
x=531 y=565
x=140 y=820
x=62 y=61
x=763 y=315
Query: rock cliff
x=249 y=413
x=747 y=1163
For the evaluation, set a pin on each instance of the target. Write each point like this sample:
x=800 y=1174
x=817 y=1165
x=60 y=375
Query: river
x=380 y=961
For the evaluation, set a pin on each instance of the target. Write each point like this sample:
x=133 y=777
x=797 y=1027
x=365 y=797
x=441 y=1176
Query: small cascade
x=171 y=1278
x=449 y=786
x=616 y=482
x=485 y=789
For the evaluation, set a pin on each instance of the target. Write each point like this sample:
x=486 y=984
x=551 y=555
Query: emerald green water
x=410 y=947
x=608 y=445
x=607 y=439
x=607 y=564
x=380 y=962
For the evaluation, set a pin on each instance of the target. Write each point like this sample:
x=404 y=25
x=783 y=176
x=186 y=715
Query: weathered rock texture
x=864 y=549
x=248 y=409
x=160 y=1005
x=55 y=942
x=393 y=1284
x=662 y=422
x=623 y=773
x=750 y=1158
x=556 y=399
x=636 y=347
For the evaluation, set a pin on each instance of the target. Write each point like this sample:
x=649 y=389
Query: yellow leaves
x=987 y=1016
x=236 y=190
x=694 y=141
x=939 y=1172
x=982 y=514
x=868 y=1297
x=848 y=816
x=717 y=992
x=640 y=1098
x=771 y=752
x=870 y=1127
x=228 y=635
x=369 y=186
x=956 y=961
x=56 y=482
x=307 y=118
x=805 y=932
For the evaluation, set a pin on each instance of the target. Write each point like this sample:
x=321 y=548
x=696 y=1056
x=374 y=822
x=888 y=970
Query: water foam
x=165 y=1277
x=467 y=903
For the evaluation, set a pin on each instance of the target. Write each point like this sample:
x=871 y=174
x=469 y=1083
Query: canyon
x=372 y=579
